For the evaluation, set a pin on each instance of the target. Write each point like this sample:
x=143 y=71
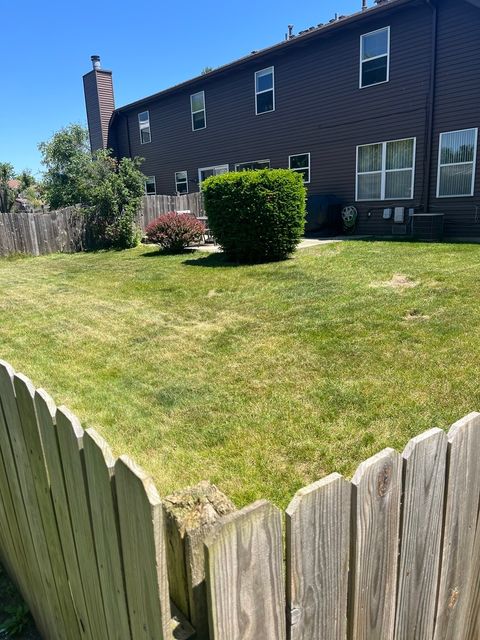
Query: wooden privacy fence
x=392 y=555
x=154 y=206
x=65 y=231
x=40 y=233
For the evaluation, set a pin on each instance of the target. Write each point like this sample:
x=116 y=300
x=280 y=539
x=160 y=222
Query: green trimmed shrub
x=256 y=216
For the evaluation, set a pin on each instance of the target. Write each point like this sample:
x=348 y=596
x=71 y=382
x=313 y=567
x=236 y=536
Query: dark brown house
x=380 y=109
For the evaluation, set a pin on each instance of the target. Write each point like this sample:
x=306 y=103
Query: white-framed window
x=199 y=113
x=252 y=166
x=300 y=162
x=386 y=170
x=150 y=186
x=206 y=172
x=457 y=160
x=264 y=90
x=375 y=57
x=181 y=182
x=144 y=127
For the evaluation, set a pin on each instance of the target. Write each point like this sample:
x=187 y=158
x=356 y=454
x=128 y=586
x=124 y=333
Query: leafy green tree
x=114 y=190
x=108 y=189
x=7 y=194
x=26 y=179
x=66 y=157
x=206 y=70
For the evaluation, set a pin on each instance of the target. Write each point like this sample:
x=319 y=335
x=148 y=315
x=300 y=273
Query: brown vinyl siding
x=100 y=104
x=321 y=110
x=457 y=106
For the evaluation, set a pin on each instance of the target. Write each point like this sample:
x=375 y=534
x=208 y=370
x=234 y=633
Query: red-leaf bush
x=173 y=232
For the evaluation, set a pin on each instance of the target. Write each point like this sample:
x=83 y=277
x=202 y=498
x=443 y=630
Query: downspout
x=431 y=106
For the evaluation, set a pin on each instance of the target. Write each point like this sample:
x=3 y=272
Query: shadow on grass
x=204 y=259
x=212 y=260
x=161 y=252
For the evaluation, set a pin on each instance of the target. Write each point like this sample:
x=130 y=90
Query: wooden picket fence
x=392 y=555
x=64 y=230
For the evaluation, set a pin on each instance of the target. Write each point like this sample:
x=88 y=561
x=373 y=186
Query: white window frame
x=198 y=110
x=257 y=93
x=215 y=166
x=142 y=126
x=154 y=184
x=451 y=164
x=177 y=182
x=384 y=171
x=299 y=170
x=239 y=164
x=362 y=61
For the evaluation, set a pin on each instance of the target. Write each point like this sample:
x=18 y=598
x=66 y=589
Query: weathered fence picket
x=461 y=520
x=46 y=412
x=99 y=467
x=143 y=548
x=424 y=463
x=392 y=555
x=70 y=439
x=245 y=577
x=373 y=565
x=318 y=553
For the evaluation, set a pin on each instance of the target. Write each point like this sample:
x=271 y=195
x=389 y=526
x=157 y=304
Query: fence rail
x=393 y=554
x=64 y=230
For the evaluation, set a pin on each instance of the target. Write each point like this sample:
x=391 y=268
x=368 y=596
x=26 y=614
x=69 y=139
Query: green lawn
x=259 y=378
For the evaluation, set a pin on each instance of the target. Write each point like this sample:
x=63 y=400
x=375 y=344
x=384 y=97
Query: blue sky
x=46 y=48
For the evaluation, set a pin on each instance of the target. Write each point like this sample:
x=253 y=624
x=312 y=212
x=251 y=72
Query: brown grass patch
x=414 y=315
x=398 y=281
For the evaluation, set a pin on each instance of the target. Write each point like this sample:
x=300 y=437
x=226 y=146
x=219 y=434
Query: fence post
x=191 y=516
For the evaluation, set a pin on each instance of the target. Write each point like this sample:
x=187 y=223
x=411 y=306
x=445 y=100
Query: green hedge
x=256 y=216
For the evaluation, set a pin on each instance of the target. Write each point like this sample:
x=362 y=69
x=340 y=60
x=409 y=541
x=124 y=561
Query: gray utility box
x=324 y=214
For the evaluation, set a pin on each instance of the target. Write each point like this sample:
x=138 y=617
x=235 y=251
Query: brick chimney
x=99 y=102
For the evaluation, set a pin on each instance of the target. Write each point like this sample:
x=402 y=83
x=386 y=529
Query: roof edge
x=371 y=12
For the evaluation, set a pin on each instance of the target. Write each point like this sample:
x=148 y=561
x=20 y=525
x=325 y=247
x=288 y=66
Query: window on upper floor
x=150 y=186
x=199 y=114
x=375 y=57
x=144 y=127
x=456 y=163
x=300 y=162
x=181 y=182
x=264 y=91
x=252 y=166
x=385 y=170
